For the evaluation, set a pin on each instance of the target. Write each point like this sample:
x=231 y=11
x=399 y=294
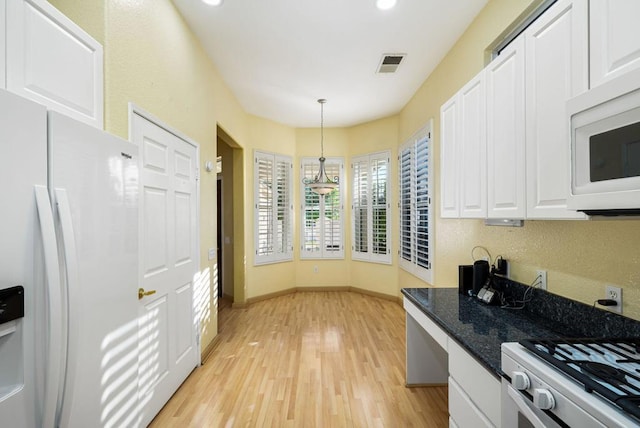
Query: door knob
x=142 y=293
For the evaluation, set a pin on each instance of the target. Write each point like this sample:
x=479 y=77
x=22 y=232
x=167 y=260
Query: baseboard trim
x=268 y=296
x=209 y=349
x=373 y=293
x=425 y=385
x=287 y=291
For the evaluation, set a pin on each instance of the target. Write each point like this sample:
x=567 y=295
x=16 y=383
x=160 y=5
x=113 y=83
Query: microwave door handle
x=524 y=408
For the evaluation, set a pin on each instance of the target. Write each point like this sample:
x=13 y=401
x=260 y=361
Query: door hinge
x=197 y=174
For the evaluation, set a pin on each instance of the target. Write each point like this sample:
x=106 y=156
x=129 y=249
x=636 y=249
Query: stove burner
x=603 y=371
x=608 y=367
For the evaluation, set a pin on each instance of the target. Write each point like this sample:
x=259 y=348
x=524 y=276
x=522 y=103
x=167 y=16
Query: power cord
x=526 y=297
x=481 y=247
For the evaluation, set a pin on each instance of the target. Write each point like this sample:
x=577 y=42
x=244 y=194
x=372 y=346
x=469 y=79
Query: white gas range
x=571 y=383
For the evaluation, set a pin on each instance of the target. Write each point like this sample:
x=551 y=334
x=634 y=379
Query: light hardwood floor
x=309 y=359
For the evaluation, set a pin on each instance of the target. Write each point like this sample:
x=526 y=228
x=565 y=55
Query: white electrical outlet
x=541 y=280
x=614 y=293
x=315 y=269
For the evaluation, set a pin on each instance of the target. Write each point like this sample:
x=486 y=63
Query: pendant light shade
x=321 y=184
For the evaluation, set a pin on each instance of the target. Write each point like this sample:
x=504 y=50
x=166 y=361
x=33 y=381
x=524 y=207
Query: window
x=322 y=215
x=415 y=168
x=370 y=208
x=273 y=208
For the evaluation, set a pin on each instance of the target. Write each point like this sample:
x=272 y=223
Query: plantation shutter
x=273 y=209
x=415 y=205
x=380 y=207
x=322 y=224
x=370 y=208
x=360 y=207
x=264 y=206
x=405 y=180
x=422 y=203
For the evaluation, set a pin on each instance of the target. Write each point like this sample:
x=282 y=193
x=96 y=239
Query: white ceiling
x=279 y=56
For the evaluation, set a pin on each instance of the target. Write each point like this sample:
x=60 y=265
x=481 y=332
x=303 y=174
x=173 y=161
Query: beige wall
x=371 y=137
x=580 y=256
x=266 y=279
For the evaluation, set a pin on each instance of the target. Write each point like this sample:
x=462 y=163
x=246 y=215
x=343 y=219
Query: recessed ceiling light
x=212 y=2
x=385 y=4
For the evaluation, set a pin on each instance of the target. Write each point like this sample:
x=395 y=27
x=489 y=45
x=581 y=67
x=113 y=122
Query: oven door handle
x=524 y=407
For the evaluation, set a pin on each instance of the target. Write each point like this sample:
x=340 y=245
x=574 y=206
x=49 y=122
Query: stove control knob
x=520 y=381
x=543 y=399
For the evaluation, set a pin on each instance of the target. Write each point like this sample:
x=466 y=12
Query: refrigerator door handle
x=71 y=259
x=54 y=310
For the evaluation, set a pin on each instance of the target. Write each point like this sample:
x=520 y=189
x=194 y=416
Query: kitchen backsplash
x=581 y=319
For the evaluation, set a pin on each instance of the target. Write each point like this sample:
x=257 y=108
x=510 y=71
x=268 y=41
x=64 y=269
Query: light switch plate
x=212 y=253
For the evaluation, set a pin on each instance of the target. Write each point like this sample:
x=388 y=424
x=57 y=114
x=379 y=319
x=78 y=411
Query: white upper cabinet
x=556 y=70
x=3 y=53
x=614 y=38
x=463 y=150
x=51 y=60
x=449 y=141
x=506 y=134
x=473 y=149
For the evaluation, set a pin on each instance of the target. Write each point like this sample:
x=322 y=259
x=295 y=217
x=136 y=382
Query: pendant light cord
x=322 y=101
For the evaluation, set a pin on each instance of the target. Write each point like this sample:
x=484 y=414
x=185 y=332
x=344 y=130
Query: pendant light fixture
x=321 y=184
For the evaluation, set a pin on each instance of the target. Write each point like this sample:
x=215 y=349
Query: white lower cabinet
x=462 y=409
x=477 y=402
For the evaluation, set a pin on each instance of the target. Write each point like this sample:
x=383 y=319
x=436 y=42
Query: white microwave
x=605 y=148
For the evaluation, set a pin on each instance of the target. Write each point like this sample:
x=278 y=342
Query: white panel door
x=473 y=149
x=505 y=133
x=449 y=141
x=168 y=262
x=614 y=38
x=556 y=63
x=3 y=46
x=51 y=60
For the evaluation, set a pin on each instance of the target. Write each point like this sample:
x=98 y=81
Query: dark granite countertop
x=480 y=329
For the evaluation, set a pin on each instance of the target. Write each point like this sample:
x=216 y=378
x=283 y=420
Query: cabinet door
x=505 y=133
x=473 y=149
x=614 y=37
x=556 y=52
x=477 y=384
x=3 y=53
x=53 y=61
x=449 y=140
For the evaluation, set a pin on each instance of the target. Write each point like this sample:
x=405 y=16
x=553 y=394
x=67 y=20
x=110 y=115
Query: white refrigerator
x=69 y=237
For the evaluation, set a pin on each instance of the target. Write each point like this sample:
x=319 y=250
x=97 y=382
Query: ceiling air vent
x=390 y=63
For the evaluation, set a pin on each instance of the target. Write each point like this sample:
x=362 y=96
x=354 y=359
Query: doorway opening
x=229 y=223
